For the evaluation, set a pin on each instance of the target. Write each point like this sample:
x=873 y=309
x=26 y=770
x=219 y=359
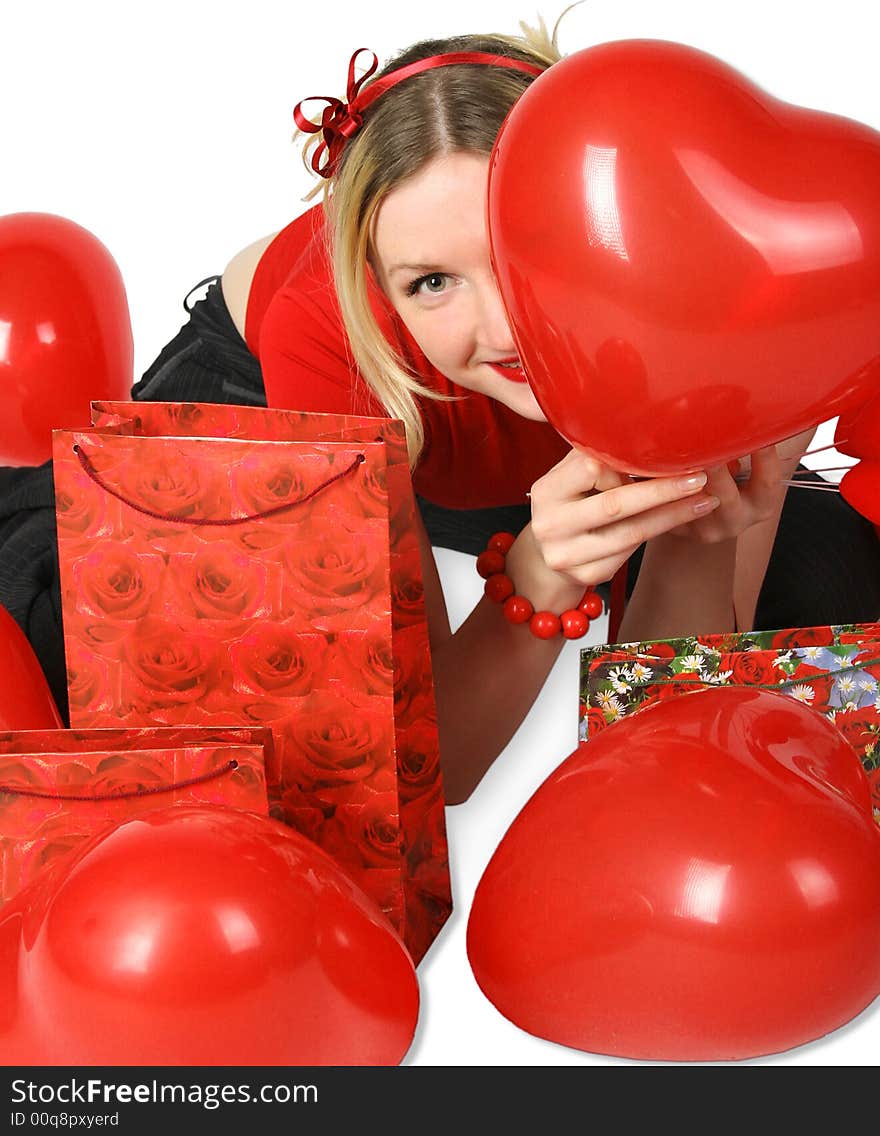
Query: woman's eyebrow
x=413 y=268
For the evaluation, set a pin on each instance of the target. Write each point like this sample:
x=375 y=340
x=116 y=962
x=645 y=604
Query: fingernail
x=706 y=505
x=692 y=482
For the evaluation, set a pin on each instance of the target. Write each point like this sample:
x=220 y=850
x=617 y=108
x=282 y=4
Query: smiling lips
x=510 y=369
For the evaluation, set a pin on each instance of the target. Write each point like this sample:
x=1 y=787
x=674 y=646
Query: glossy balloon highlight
x=201 y=936
x=65 y=331
x=677 y=249
x=711 y=890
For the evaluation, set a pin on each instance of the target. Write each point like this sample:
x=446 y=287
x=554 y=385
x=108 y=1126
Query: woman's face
x=432 y=261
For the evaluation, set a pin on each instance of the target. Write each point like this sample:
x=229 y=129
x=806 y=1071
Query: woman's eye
x=432 y=284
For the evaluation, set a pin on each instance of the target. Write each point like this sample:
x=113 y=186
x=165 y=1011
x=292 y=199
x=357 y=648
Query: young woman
x=383 y=301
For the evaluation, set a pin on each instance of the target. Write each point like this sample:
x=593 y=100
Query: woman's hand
x=749 y=491
x=587 y=519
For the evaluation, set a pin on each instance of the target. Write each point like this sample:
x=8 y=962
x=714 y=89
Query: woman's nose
x=494 y=326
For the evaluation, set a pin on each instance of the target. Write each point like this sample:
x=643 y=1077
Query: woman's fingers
x=743 y=502
x=766 y=468
x=622 y=503
x=761 y=489
x=764 y=490
x=598 y=571
x=722 y=483
x=587 y=519
x=602 y=542
x=576 y=475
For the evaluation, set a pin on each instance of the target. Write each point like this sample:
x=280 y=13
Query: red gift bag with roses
x=58 y=788
x=225 y=565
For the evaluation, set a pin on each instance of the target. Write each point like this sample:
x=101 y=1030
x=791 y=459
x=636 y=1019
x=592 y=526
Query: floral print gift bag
x=236 y=566
x=833 y=669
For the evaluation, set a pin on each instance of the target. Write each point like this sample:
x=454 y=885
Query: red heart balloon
x=857 y=432
x=860 y=487
x=711 y=889
x=26 y=702
x=690 y=267
x=65 y=331
x=201 y=936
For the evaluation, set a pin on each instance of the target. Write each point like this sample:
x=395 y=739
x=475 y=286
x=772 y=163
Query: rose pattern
x=334 y=570
x=412 y=677
x=407 y=590
x=802 y=637
x=17 y=812
x=418 y=760
x=24 y=774
x=258 y=537
x=80 y=741
x=53 y=836
x=660 y=650
x=375 y=660
x=726 y=641
x=102 y=639
x=79 y=509
x=861 y=728
x=36 y=831
x=219 y=581
x=182 y=417
x=862 y=632
x=171 y=666
x=170 y=485
x=814 y=685
x=259 y=710
x=372 y=491
x=749 y=667
x=427 y=852
x=277 y=659
x=366 y=834
x=299 y=810
x=291 y=480
x=426 y=830
x=340 y=742
x=87 y=679
x=835 y=670
x=364 y=659
x=116 y=581
x=593 y=718
x=309 y=621
x=426 y=889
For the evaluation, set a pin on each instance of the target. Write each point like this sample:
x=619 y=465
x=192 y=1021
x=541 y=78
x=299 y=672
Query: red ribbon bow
x=339 y=121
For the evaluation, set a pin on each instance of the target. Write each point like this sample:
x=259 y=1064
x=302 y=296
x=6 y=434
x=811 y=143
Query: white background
x=166 y=130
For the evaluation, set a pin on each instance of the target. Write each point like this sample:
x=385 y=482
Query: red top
x=294 y=327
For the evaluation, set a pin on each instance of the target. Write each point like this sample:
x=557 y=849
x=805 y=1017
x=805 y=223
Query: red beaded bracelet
x=499 y=587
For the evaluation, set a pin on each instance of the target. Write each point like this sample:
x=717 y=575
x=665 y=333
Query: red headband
x=341 y=120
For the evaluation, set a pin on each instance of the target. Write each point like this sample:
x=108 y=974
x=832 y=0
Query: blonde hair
x=459 y=107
